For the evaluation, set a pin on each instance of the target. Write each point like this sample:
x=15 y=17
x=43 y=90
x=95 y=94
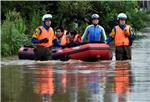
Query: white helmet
x=46 y=16
x=121 y=15
x=95 y=16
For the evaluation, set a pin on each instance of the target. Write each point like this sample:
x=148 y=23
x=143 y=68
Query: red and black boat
x=26 y=52
x=86 y=52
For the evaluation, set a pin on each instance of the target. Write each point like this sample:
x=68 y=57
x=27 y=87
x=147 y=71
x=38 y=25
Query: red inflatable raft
x=26 y=52
x=86 y=52
x=93 y=51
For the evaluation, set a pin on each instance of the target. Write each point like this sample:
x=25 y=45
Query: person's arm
x=35 y=41
x=35 y=36
x=132 y=36
x=103 y=34
x=56 y=43
x=111 y=36
x=109 y=39
x=127 y=31
x=84 y=36
x=131 y=31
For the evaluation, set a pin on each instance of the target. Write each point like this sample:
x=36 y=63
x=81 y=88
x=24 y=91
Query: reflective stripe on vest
x=120 y=38
x=46 y=34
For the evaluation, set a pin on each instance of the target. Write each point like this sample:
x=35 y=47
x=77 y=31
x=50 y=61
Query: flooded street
x=77 y=81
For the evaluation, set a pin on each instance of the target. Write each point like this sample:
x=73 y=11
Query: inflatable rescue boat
x=85 y=52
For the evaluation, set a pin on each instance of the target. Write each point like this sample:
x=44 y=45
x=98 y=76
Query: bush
x=13 y=33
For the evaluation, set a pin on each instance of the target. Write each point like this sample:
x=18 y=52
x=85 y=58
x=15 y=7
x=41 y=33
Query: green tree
x=13 y=33
x=71 y=11
x=108 y=12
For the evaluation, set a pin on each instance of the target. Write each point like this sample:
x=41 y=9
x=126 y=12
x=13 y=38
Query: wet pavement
x=77 y=81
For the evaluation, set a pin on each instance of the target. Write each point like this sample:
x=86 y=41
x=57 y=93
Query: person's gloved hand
x=45 y=40
x=109 y=39
x=126 y=32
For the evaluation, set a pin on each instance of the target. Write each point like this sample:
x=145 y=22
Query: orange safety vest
x=120 y=38
x=77 y=38
x=46 y=34
x=63 y=40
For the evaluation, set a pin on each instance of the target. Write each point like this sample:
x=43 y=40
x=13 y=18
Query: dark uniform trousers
x=42 y=53
x=123 y=52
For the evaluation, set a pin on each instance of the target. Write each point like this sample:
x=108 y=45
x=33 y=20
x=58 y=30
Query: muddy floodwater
x=77 y=81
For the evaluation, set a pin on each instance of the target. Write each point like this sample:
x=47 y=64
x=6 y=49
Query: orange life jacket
x=63 y=40
x=77 y=38
x=120 y=37
x=46 y=34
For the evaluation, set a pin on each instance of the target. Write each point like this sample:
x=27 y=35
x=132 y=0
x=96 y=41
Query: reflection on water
x=122 y=81
x=44 y=83
x=74 y=82
x=82 y=82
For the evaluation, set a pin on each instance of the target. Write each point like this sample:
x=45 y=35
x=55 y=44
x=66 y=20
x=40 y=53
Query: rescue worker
x=60 y=35
x=94 y=32
x=73 y=38
x=122 y=35
x=44 y=39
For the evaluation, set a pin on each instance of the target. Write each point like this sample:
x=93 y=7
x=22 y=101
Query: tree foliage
x=13 y=33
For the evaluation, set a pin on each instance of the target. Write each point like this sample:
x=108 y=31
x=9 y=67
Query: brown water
x=77 y=81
